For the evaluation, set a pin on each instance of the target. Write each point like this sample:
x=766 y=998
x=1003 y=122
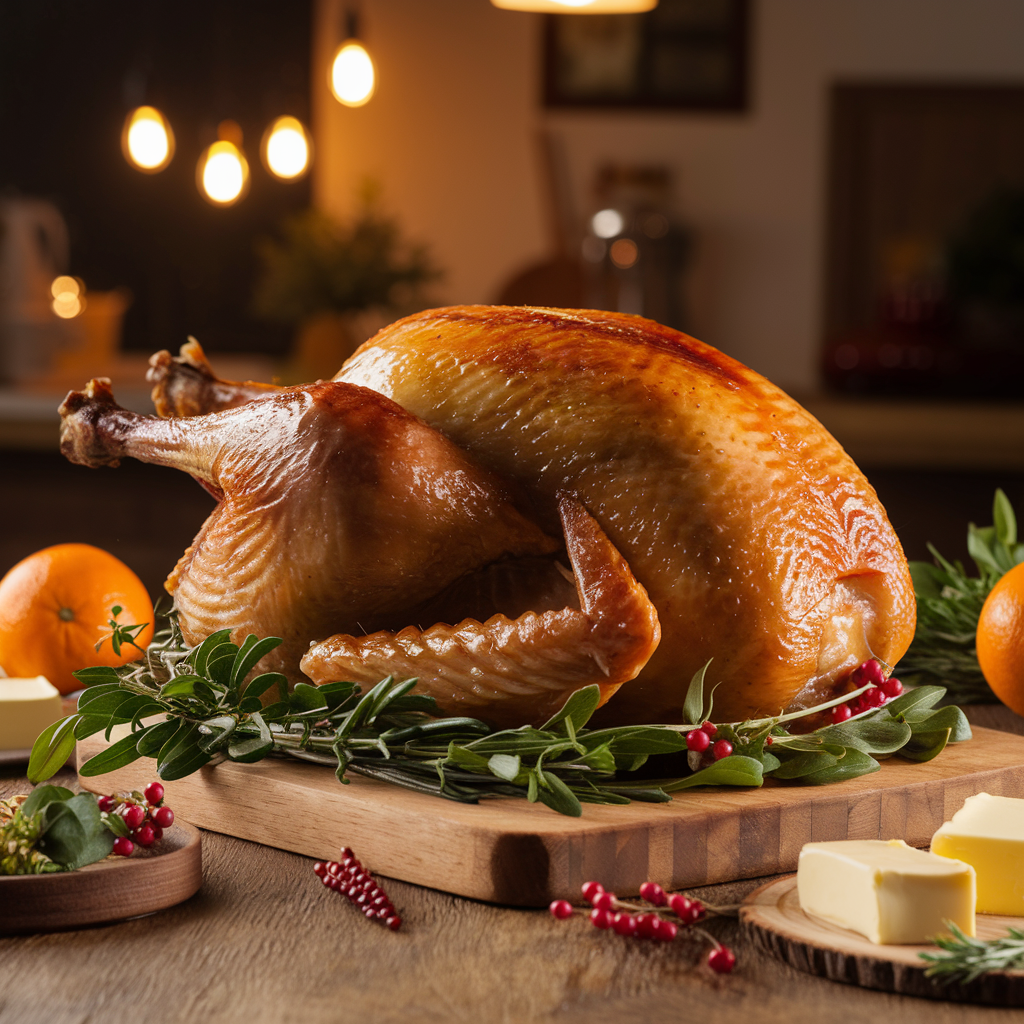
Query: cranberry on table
x=721 y=960
x=601 y=918
x=145 y=836
x=591 y=889
x=603 y=901
x=653 y=893
x=680 y=904
x=665 y=931
x=153 y=793
x=105 y=804
x=123 y=846
x=646 y=925
x=561 y=909
x=624 y=924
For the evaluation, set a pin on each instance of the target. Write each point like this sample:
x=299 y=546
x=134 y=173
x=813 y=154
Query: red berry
x=697 y=741
x=874 y=698
x=319 y=869
x=709 y=728
x=721 y=960
x=394 y=923
x=591 y=889
x=346 y=851
x=653 y=893
x=857 y=705
x=892 y=687
x=624 y=924
x=123 y=846
x=600 y=918
x=334 y=868
x=646 y=925
x=134 y=816
x=153 y=793
x=870 y=672
x=561 y=909
x=696 y=910
x=666 y=931
x=158 y=833
x=603 y=901
x=840 y=713
x=105 y=803
x=679 y=903
x=722 y=748
x=768 y=740
x=144 y=836
x=163 y=816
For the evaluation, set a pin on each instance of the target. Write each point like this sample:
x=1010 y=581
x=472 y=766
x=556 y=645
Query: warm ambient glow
x=607 y=223
x=353 y=78
x=68 y=296
x=578 y=6
x=223 y=173
x=147 y=140
x=286 y=148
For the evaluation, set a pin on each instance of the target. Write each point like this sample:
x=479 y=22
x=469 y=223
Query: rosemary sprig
x=965 y=959
x=208 y=713
x=949 y=603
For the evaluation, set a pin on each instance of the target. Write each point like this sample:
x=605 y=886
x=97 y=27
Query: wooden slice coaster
x=773 y=921
x=110 y=890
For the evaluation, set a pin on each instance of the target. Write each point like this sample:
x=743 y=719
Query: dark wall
x=70 y=72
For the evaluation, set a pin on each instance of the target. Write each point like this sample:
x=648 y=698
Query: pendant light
x=222 y=173
x=578 y=6
x=352 y=76
x=287 y=148
x=147 y=140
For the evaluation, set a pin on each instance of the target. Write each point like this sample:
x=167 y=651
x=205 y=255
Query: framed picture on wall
x=683 y=55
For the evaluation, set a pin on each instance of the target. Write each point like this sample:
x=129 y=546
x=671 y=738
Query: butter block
x=27 y=707
x=988 y=833
x=887 y=891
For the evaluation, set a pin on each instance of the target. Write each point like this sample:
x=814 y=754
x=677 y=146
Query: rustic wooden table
x=264 y=941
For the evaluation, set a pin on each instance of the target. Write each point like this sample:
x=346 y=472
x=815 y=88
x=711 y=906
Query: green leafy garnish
x=949 y=603
x=206 y=712
x=963 y=959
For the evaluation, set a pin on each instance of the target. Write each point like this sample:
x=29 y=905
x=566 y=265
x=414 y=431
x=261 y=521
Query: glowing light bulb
x=607 y=223
x=578 y=6
x=353 y=78
x=286 y=148
x=223 y=173
x=147 y=140
x=68 y=296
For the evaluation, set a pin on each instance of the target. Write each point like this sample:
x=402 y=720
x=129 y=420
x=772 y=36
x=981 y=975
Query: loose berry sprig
x=136 y=818
x=350 y=879
x=883 y=689
x=656 y=922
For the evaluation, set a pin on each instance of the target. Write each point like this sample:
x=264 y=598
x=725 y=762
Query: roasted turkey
x=510 y=503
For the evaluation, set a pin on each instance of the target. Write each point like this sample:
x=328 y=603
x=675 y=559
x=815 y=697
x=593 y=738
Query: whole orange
x=55 y=606
x=1000 y=639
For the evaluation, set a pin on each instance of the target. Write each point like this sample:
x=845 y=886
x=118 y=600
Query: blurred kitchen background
x=832 y=191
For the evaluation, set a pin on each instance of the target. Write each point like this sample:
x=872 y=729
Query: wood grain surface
x=109 y=890
x=774 y=921
x=506 y=850
x=264 y=943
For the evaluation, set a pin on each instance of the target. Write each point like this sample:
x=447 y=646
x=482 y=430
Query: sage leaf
x=730 y=771
x=580 y=705
x=924 y=746
x=184 y=757
x=249 y=654
x=74 y=834
x=693 y=704
x=151 y=739
x=558 y=796
x=43 y=795
x=949 y=717
x=200 y=655
x=307 y=698
x=871 y=736
x=803 y=764
x=261 y=683
x=88 y=725
x=851 y=765
x=53 y=746
x=97 y=675
x=117 y=755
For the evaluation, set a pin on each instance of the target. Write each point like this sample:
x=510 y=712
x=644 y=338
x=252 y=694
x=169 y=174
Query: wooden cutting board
x=774 y=922
x=506 y=850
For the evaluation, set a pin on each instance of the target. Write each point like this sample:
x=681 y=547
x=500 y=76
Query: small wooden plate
x=109 y=890
x=773 y=921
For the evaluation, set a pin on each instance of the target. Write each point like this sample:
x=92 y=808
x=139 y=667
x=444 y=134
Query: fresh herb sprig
x=949 y=603
x=208 y=714
x=963 y=959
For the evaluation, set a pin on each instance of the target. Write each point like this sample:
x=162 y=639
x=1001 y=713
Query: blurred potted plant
x=321 y=273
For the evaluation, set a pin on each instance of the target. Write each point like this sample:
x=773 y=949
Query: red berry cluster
x=698 y=740
x=144 y=815
x=882 y=691
x=632 y=921
x=351 y=879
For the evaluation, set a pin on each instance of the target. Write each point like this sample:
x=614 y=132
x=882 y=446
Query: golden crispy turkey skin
x=733 y=523
x=758 y=540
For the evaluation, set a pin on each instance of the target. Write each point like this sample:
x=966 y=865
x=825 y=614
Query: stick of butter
x=988 y=833
x=887 y=891
x=27 y=707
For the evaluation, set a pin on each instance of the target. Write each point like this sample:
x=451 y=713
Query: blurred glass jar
x=634 y=252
